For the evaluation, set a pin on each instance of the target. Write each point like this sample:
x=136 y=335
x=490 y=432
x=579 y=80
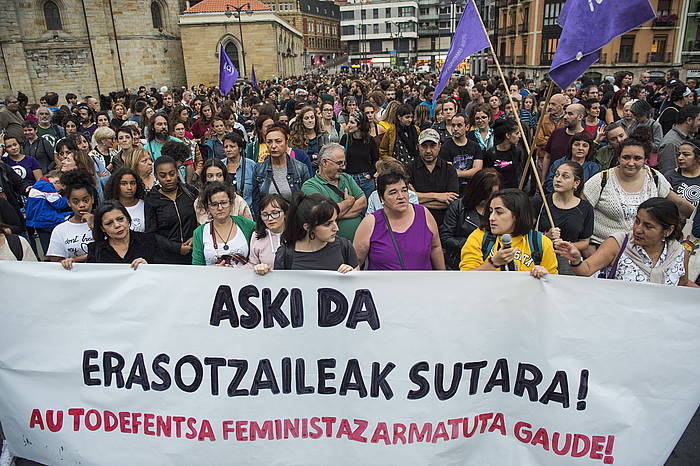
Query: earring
x=312 y=235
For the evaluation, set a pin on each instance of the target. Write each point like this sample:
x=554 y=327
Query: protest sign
x=182 y=365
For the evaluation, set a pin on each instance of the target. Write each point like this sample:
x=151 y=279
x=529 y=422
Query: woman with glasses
x=268 y=231
x=331 y=128
x=225 y=240
x=215 y=171
x=481 y=132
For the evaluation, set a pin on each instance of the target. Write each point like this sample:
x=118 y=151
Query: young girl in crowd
x=125 y=186
x=268 y=230
x=215 y=171
x=69 y=240
x=310 y=240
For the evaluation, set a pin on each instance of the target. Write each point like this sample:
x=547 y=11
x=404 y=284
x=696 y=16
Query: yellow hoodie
x=472 y=256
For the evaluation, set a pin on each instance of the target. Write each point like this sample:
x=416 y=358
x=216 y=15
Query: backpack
x=15 y=246
x=604 y=178
x=534 y=240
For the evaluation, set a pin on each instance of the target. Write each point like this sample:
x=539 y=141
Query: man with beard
x=87 y=121
x=45 y=128
x=606 y=156
x=158 y=135
x=558 y=142
x=11 y=119
x=553 y=119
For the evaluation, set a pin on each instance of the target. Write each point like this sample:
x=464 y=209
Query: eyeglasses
x=219 y=205
x=12 y=101
x=340 y=163
x=268 y=215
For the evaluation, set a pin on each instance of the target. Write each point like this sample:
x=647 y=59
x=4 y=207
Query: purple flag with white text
x=587 y=26
x=469 y=38
x=253 y=79
x=228 y=74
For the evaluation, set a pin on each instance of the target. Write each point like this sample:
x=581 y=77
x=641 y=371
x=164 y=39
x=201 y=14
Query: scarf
x=409 y=137
x=656 y=274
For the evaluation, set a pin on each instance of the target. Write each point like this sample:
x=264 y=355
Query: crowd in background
x=367 y=171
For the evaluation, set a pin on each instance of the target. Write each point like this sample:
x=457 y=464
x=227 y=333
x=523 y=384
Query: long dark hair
x=518 y=203
x=312 y=209
x=578 y=175
x=480 y=188
x=98 y=234
x=113 y=191
x=501 y=128
x=666 y=213
x=260 y=227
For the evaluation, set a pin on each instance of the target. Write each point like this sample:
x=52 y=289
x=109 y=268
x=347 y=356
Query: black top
x=141 y=245
x=575 y=224
x=461 y=157
x=329 y=257
x=360 y=156
x=174 y=221
x=443 y=179
x=507 y=163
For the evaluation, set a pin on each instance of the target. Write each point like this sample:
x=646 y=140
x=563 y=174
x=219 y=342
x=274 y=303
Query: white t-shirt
x=138 y=216
x=69 y=240
x=237 y=244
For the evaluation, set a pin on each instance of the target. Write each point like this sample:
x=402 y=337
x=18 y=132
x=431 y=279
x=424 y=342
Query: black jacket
x=455 y=229
x=12 y=187
x=173 y=220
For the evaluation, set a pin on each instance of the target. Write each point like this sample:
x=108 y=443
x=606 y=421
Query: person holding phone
x=225 y=240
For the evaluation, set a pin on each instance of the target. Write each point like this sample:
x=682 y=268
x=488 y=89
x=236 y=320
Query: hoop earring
x=312 y=235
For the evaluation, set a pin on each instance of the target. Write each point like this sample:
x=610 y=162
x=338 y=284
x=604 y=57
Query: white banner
x=205 y=365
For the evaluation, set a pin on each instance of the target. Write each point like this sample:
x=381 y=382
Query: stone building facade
x=270 y=44
x=89 y=47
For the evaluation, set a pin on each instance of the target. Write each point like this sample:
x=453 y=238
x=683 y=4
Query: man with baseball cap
x=434 y=180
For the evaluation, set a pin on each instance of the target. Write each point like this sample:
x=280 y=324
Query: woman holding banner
x=651 y=253
x=310 y=240
x=506 y=239
x=268 y=230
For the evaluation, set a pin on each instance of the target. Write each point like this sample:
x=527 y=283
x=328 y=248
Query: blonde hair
x=132 y=160
x=103 y=132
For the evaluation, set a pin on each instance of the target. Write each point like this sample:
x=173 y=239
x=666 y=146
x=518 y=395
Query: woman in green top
x=224 y=241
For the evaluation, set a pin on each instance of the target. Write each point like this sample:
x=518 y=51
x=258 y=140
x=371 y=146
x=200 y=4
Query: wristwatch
x=580 y=261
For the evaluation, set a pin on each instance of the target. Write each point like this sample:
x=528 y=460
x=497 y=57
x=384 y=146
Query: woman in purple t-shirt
x=401 y=236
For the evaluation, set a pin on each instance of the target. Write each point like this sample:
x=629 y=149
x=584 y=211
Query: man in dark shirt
x=558 y=143
x=434 y=180
x=464 y=155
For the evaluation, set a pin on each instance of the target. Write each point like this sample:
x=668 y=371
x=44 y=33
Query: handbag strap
x=393 y=240
x=613 y=269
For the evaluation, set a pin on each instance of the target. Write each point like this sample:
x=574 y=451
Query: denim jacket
x=297 y=174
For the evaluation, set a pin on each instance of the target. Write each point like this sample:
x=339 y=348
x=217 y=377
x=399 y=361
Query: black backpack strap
x=655 y=177
x=603 y=179
x=535 y=240
x=487 y=244
x=15 y=245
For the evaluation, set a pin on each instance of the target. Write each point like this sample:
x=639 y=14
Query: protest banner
x=182 y=365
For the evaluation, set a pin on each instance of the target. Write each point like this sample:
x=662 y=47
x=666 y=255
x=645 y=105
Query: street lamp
x=237 y=10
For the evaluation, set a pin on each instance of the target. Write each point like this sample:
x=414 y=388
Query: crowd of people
x=361 y=172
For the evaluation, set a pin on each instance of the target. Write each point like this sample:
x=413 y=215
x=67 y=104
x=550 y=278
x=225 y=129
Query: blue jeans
x=365 y=182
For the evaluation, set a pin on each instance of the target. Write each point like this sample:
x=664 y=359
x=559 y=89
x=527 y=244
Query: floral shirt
x=628 y=271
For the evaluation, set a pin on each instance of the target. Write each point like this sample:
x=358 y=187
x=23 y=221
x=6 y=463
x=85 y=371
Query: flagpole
x=517 y=119
x=550 y=91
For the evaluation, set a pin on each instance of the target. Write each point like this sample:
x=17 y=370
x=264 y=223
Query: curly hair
x=113 y=191
x=297 y=134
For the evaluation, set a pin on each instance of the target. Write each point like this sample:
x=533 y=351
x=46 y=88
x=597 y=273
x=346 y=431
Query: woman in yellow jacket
x=510 y=213
x=401 y=138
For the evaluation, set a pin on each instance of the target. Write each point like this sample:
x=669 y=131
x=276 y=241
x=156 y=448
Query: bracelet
x=491 y=262
x=576 y=265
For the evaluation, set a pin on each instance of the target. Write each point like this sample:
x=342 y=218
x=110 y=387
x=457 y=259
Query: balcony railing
x=632 y=58
x=520 y=60
x=654 y=57
x=501 y=3
x=522 y=28
x=510 y=30
x=665 y=21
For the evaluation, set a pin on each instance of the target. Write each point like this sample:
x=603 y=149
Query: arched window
x=232 y=52
x=52 y=16
x=156 y=15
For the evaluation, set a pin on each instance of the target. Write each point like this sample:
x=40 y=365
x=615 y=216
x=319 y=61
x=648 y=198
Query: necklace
x=222 y=238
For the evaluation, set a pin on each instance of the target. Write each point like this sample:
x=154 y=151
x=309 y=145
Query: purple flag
x=469 y=38
x=253 y=80
x=228 y=74
x=587 y=26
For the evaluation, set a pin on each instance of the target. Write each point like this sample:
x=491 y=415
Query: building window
x=388 y=13
x=52 y=17
x=231 y=52
x=347 y=15
x=424 y=11
x=363 y=14
x=443 y=25
x=551 y=13
x=375 y=46
x=626 y=49
x=157 y=16
x=375 y=29
x=387 y=27
x=664 y=7
x=348 y=30
x=444 y=10
x=375 y=13
x=658 y=48
x=549 y=45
